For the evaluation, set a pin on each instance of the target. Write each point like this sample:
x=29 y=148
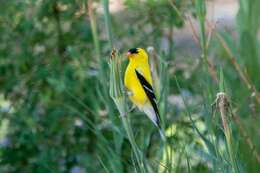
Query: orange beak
x=128 y=54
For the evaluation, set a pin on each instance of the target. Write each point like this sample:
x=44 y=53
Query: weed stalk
x=93 y=25
x=118 y=95
x=108 y=22
x=223 y=106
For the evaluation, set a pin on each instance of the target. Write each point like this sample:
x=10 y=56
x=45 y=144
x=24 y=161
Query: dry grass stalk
x=245 y=135
x=194 y=33
x=211 y=31
x=212 y=70
x=223 y=105
x=210 y=64
x=242 y=75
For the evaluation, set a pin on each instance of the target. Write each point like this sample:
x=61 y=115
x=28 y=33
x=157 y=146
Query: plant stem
x=223 y=106
x=119 y=97
x=94 y=29
x=108 y=22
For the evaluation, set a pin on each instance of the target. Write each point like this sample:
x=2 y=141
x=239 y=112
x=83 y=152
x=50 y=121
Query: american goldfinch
x=139 y=85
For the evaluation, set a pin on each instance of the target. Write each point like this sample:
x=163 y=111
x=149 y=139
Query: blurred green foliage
x=55 y=111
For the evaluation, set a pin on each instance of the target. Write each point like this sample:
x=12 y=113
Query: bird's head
x=137 y=54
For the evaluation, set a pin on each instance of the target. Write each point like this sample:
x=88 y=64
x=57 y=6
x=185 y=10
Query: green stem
x=222 y=104
x=108 y=22
x=129 y=132
x=94 y=30
x=119 y=97
x=230 y=150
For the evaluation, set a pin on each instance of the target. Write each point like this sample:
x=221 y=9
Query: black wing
x=150 y=94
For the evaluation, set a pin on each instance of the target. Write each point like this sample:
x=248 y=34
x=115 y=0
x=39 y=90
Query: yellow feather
x=137 y=62
x=136 y=85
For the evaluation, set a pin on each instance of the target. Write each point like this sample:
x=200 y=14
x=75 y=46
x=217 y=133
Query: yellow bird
x=139 y=85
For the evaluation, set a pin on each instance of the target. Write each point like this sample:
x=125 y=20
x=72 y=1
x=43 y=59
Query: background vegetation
x=56 y=113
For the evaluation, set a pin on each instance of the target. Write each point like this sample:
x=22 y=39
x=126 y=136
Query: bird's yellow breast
x=136 y=92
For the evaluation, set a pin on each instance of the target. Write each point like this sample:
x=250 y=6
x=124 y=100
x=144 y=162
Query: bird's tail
x=149 y=110
x=162 y=134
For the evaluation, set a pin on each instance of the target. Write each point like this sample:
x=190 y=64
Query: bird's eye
x=133 y=51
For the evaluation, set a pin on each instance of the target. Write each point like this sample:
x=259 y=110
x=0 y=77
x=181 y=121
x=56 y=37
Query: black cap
x=133 y=50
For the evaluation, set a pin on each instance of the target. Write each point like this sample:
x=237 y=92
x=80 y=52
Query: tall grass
x=78 y=116
x=108 y=22
x=221 y=160
x=222 y=102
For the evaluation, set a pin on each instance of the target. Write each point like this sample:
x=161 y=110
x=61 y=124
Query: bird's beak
x=128 y=54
